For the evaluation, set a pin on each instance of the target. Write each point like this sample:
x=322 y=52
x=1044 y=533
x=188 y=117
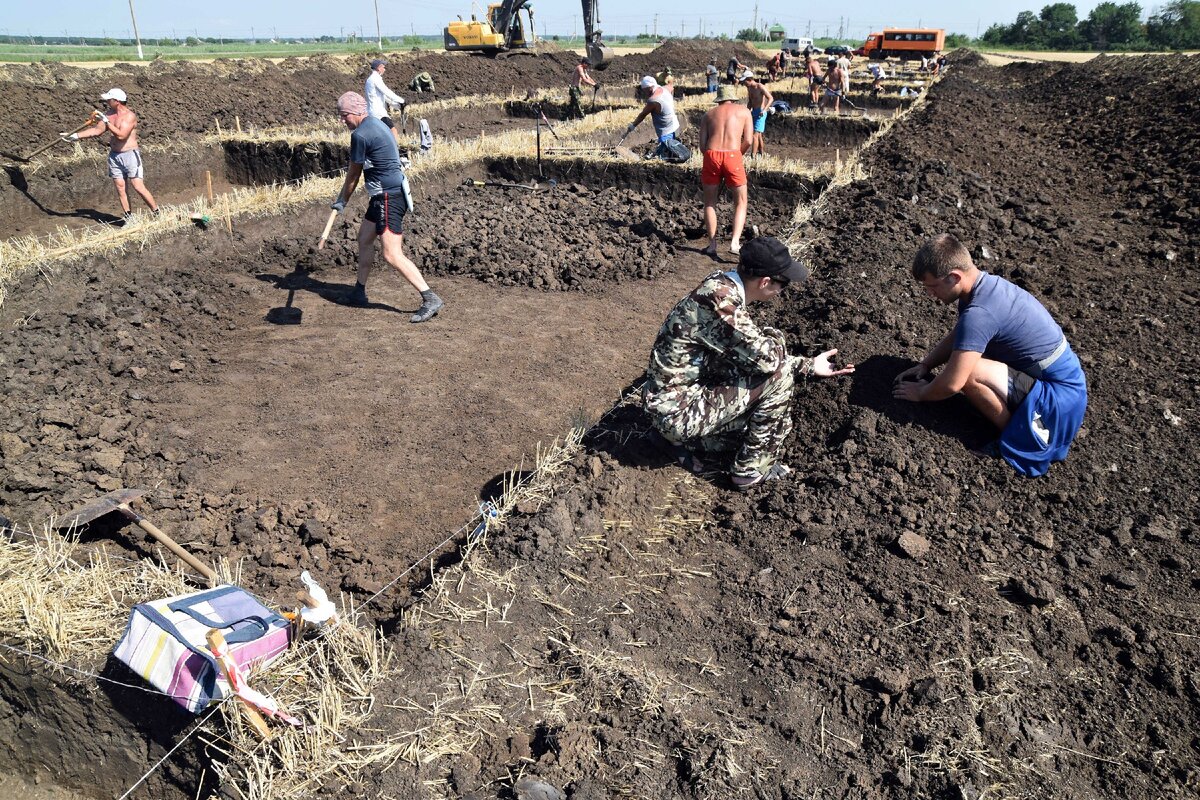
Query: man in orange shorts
x=725 y=135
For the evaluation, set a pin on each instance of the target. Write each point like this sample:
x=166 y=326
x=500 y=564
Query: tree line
x=1109 y=26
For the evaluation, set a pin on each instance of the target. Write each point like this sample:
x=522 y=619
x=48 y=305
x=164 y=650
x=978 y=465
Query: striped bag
x=164 y=641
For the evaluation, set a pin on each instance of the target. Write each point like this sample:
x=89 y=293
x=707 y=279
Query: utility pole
x=135 y=32
x=682 y=29
x=252 y=39
x=808 y=30
x=755 y=26
x=378 y=31
x=656 y=27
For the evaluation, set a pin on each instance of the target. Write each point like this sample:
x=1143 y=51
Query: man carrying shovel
x=373 y=151
x=124 y=157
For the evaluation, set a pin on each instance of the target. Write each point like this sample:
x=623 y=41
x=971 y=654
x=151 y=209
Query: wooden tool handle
x=328 y=227
x=91 y=121
x=215 y=642
x=170 y=544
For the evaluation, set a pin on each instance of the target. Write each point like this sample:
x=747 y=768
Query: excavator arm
x=502 y=19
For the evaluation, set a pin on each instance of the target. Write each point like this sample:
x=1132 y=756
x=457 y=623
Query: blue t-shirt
x=1005 y=323
x=373 y=145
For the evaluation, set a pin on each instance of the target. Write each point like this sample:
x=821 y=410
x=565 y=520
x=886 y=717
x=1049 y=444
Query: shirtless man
x=578 y=81
x=124 y=158
x=815 y=78
x=759 y=101
x=833 y=87
x=726 y=133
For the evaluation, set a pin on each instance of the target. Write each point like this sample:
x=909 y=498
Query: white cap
x=648 y=82
x=115 y=94
x=749 y=73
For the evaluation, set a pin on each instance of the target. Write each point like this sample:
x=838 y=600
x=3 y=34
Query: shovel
x=59 y=139
x=595 y=91
x=119 y=501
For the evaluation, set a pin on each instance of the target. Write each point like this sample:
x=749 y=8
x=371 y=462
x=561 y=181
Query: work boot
x=430 y=306
x=744 y=483
x=357 y=296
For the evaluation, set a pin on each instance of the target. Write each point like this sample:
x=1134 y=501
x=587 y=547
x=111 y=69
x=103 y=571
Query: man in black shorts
x=371 y=143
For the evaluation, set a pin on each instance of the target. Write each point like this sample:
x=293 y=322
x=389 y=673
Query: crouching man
x=717 y=383
x=1006 y=355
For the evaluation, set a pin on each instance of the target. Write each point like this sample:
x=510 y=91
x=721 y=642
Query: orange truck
x=904 y=43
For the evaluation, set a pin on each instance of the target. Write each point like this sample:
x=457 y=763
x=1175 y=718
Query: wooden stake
x=238 y=122
x=218 y=127
x=252 y=714
x=208 y=180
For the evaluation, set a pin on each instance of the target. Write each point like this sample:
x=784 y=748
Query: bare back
x=727 y=127
x=757 y=95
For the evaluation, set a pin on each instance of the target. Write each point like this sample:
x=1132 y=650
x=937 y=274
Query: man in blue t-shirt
x=1006 y=355
x=373 y=151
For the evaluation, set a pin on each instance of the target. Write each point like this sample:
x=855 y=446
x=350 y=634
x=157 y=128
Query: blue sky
x=264 y=18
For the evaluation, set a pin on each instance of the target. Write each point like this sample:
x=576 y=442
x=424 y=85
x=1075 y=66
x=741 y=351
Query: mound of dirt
x=48 y=98
x=685 y=56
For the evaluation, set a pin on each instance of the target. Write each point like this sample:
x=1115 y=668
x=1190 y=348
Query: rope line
x=196 y=729
x=97 y=676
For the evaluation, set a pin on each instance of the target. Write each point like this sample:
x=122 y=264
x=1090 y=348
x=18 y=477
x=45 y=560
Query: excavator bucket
x=600 y=55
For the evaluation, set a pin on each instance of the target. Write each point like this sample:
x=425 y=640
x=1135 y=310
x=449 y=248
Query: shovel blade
x=105 y=504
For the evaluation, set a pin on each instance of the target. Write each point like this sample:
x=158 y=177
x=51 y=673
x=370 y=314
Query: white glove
x=102 y=117
x=69 y=137
x=632 y=125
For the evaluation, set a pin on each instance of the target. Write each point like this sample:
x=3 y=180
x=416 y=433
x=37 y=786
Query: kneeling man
x=717 y=382
x=1006 y=355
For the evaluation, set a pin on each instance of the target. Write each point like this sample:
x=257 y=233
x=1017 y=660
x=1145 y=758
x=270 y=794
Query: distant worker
x=717 y=383
x=421 y=82
x=726 y=133
x=660 y=105
x=380 y=97
x=775 y=66
x=833 y=87
x=711 y=74
x=759 y=100
x=665 y=78
x=373 y=151
x=876 y=71
x=124 y=157
x=844 y=65
x=1006 y=355
x=579 y=79
x=816 y=78
x=935 y=66
x=733 y=70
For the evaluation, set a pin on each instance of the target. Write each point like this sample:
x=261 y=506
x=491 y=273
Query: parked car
x=838 y=50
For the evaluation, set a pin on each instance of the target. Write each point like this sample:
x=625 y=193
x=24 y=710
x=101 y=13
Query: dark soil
x=899 y=619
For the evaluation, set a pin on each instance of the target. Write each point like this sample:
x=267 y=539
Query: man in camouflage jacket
x=717 y=382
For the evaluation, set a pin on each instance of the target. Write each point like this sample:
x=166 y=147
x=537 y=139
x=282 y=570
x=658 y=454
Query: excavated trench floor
x=390 y=436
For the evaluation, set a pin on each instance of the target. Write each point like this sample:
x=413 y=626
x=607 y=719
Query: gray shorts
x=125 y=165
x=1019 y=385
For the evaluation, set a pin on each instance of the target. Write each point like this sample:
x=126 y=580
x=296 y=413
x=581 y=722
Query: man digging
x=124 y=157
x=372 y=145
x=1006 y=355
x=717 y=383
x=726 y=133
x=660 y=105
x=578 y=80
x=379 y=96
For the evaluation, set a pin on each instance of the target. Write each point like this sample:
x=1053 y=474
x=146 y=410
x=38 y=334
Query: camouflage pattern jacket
x=708 y=339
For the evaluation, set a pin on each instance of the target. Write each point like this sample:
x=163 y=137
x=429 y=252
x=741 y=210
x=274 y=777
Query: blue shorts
x=760 y=120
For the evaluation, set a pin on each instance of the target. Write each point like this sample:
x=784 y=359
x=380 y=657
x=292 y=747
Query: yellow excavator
x=509 y=27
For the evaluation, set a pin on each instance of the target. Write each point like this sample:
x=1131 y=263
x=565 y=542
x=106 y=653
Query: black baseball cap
x=377 y=63
x=767 y=257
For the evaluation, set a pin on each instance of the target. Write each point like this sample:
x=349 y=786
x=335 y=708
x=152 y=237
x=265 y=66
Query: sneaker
x=744 y=483
x=428 y=309
x=356 y=297
x=735 y=247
